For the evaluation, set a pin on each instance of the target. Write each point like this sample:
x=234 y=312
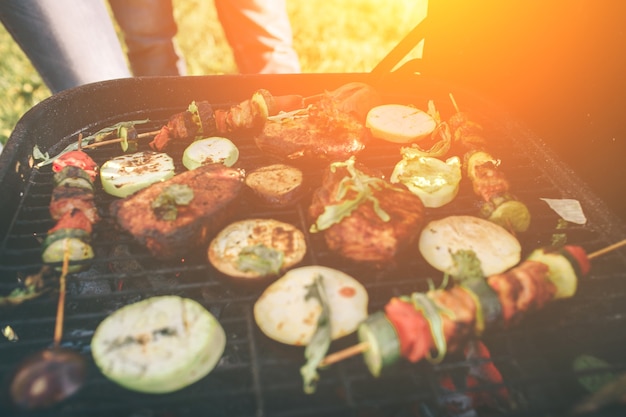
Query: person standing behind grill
x=258 y=31
x=69 y=42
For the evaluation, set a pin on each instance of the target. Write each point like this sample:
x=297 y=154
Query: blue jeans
x=258 y=31
x=69 y=42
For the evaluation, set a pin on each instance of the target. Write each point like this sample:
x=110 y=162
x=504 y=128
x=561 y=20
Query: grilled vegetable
x=561 y=270
x=399 y=123
x=72 y=176
x=434 y=181
x=383 y=345
x=284 y=313
x=213 y=150
x=126 y=174
x=158 y=345
x=79 y=251
x=496 y=248
x=77 y=159
x=257 y=248
x=276 y=184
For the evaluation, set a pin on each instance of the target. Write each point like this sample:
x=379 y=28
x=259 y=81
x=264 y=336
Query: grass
x=329 y=36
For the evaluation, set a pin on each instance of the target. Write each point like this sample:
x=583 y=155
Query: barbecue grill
x=257 y=376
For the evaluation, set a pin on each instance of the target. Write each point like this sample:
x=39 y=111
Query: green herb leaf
x=260 y=259
x=38 y=155
x=362 y=185
x=468 y=266
x=320 y=342
x=432 y=313
x=559 y=239
x=165 y=205
x=593 y=382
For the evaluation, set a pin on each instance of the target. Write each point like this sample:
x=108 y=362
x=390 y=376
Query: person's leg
x=149 y=29
x=69 y=42
x=260 y=34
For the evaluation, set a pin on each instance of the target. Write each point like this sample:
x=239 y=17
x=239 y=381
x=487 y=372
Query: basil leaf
x=362 y=186
x=260 y=259
x=165 y=205
x=468 y=266
x=320 y=342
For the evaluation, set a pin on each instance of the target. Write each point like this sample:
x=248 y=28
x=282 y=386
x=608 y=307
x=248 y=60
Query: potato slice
x=496 y=248
x=399 y=123
x=284 y=313
x=158 y=345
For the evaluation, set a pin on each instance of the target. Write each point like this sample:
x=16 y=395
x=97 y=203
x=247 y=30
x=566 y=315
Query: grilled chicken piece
x=69 y=199
x=215 y=187
x=521 y=289
x=326 y=133
x=184 y=126
x=363 y=235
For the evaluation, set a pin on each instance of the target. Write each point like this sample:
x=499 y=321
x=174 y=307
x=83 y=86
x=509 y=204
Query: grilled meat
x=363 y=235
x=324 y=133
x=522 y=289
x=488 y=180
x=185 y=125
x=67 y=199
x=214 y=187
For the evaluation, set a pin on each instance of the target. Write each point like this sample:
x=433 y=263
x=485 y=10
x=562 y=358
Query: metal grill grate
x=259 y=377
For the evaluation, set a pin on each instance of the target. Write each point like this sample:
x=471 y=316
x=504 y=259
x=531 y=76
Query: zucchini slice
x=213 y=150
x=383 y=343
x=562 y=273
x=129 y=173
x=72 y=176
x=158 y=345
x=79 y=251
x=64 y=234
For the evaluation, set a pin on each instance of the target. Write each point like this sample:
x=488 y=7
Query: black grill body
x=257 y=376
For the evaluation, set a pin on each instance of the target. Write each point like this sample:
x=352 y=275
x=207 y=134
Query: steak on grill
x=215 y=187
x=363 y=235
x=325 y=133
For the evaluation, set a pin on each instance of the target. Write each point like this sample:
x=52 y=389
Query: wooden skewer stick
x=607 y=249
x=344 y=354
x=118 y=140
x=363 y=346
x=58 y=326
x=456 y=107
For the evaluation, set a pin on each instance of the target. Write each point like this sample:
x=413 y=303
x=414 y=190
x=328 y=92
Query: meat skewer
x=72 y=206
x=202 y=119
x=488 y=180
x=415 y=326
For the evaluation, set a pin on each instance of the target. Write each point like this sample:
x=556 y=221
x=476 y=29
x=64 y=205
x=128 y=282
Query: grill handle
x=402 y=49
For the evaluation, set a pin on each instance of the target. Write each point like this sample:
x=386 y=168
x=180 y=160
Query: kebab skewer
x=427 y=325
x=201 y=118
x=73 y=207
x=488 y=180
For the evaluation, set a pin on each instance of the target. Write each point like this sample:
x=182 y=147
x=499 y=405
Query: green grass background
x=329 y=36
